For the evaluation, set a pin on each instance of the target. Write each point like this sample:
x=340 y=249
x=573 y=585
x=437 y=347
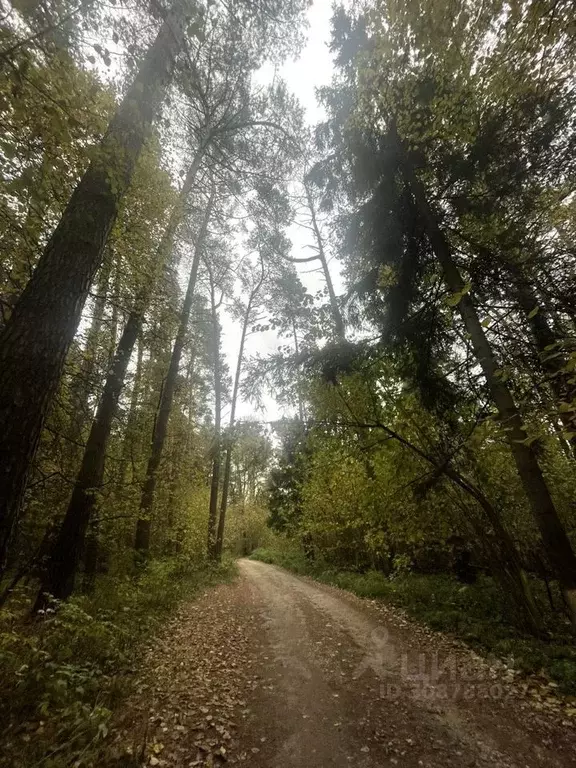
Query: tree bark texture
x=36 y=339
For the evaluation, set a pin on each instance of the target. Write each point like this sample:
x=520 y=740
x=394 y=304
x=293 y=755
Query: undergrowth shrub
x=63 y=673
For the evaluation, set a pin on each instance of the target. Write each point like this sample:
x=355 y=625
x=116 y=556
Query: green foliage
x=446 y=166
x=246 y=528
x=292 y=558
x=51 y=116
x=63 y=673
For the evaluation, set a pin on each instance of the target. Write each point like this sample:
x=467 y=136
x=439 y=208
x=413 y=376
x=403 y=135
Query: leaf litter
x=190 y=691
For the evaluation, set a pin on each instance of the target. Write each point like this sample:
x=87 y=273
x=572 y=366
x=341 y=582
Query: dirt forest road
x=277 y=671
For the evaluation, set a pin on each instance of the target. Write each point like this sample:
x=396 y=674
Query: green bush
x=63 y=673
x=264 y=555
x=563 y=671
x=293 y=560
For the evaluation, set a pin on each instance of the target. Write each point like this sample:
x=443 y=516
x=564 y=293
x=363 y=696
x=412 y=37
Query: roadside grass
x=475 y=613
x=64 y=673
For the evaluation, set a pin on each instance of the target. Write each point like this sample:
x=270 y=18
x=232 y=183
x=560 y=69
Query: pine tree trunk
x=298 y=387
x=83 y=385
x=228 y=457
x=128 y=437
x=213 y=506
x=114 y=318
x=216 y=460
x=224 y=499
x=334 y=308
x=143 y=525
x=36 y=339
x=556 y=542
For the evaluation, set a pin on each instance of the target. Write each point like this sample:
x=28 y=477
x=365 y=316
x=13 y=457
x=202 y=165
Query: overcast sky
x=312 y=69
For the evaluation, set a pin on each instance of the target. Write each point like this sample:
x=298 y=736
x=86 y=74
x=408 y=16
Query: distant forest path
x=278 y=671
